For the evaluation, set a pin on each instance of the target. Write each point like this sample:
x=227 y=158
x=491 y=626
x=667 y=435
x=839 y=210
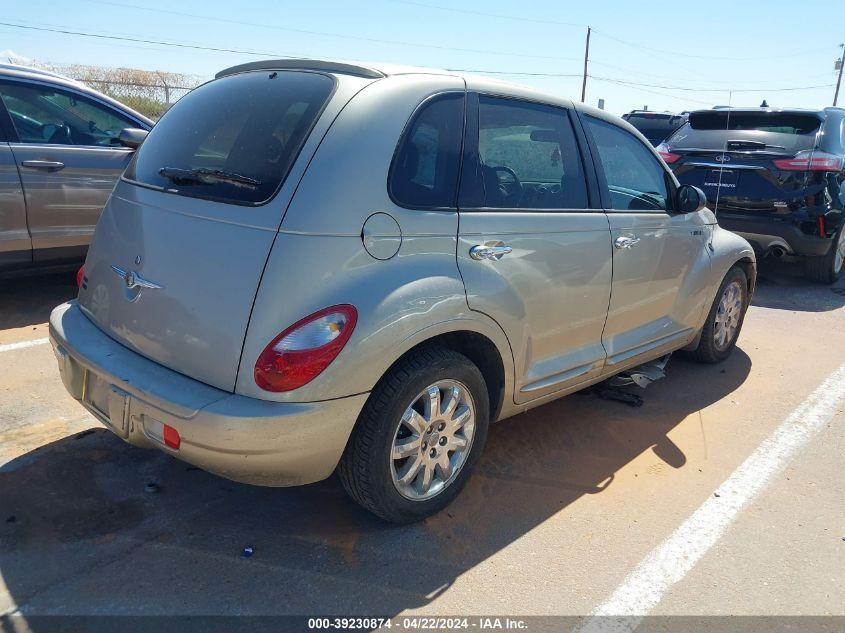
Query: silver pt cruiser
x=312 y=266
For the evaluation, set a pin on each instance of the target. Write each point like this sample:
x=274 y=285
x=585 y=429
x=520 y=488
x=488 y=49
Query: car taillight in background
x=300 y=353
x=80 y=275
x=666 y=155
x=810 y=161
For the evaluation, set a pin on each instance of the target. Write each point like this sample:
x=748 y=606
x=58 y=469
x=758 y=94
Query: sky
x=664 y=55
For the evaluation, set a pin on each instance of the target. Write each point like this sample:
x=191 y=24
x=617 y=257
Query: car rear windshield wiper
x=205 y=176
x=740 y=144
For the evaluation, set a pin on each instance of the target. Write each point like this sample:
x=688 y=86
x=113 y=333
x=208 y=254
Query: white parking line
x=670 y=561
x=8 y=347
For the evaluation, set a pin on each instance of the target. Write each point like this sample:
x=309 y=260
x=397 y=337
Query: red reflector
x=79 y=275
x=171 y=437
x=822 y=231
x=669 y=157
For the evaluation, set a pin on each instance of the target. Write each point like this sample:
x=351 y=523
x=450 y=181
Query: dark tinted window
x=42 y=114
x=233 y=139
x=655 y=127
x=426 y=165
x=527 y=157
x=635 y=178
x=748 y=131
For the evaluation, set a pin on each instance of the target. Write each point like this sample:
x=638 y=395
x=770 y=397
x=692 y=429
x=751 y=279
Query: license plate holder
x=108 y=402
x=721 y=178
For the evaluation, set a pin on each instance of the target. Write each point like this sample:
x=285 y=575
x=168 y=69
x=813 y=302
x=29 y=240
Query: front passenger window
x=635 y=178
x=41 y=114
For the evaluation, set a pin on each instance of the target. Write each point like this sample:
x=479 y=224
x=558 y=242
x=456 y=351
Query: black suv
x=775 y=176
x=655 y=126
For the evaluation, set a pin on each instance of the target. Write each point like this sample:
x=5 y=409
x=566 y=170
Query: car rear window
x=717 y=129
x=233 y=139
x=654 y=126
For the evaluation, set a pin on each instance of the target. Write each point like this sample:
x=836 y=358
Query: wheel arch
x=481 y=350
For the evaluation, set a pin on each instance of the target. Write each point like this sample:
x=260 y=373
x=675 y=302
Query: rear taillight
x=300 y=353
x=79 y=275
x=666 y=155
x=810 y=161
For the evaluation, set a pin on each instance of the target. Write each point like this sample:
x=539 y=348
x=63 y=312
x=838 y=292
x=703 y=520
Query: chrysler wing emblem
x=133 y=280
x=723 y=158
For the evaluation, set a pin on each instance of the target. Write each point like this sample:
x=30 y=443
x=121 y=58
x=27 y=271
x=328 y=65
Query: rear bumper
x=243 y=439
x=764 y=233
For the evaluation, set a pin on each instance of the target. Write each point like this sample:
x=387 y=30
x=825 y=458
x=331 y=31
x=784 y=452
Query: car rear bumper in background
x=766 y=232
x=244 y=439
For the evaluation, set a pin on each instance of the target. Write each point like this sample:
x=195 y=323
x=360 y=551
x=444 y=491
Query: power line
x=686 y=89
x=479 y=71
x=145 y=41
x=487 y=14
x=359 y=38
x=677 y=53
x=672 y=53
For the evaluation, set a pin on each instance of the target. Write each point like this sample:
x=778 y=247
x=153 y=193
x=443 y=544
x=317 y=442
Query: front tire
x=724 y=321
x=418 y=437
x=827 y=269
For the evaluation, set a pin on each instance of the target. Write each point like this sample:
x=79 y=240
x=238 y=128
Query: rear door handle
x=490 y=250
x=50 y=165
x=626 y=241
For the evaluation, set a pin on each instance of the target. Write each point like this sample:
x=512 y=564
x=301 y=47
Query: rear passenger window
x=527 y=157
x=425 y=168
x=635 y=178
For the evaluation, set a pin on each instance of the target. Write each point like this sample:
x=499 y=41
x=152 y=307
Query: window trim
x=604 y=189
x=412 y=119
x=294 y=159
x=471 y=145
x=12 y=134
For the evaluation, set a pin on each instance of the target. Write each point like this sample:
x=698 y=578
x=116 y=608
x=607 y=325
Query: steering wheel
x=510 y=189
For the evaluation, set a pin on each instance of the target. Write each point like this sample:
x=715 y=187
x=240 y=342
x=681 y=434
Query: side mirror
x=132 y=137
x=690 y=199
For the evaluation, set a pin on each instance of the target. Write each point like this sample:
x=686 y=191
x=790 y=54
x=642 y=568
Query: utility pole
x=838 y=81
x=586 y=58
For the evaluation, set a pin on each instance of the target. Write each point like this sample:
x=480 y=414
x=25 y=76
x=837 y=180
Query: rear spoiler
x=303 y=64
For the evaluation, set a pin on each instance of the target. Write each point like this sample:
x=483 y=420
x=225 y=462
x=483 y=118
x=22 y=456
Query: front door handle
x=490 y=250
x=626 y=241
x=50 y=165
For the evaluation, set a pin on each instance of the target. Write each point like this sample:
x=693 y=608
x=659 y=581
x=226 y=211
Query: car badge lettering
x=723 y=158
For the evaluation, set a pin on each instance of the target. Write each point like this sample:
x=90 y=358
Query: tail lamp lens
x=79 y=275
x=666 y=155
x=301 y=353
x=810 y=161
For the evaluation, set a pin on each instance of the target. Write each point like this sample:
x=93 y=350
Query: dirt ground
x=568 y=499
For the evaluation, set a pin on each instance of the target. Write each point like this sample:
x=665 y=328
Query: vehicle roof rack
x=304 y=64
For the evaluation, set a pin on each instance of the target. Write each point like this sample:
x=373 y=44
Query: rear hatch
x=180 y=248
x=749 y=162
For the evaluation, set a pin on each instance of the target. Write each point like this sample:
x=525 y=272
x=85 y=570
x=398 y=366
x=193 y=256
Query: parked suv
x=655 y=126
x=312 y=266
x=60 y=155
x=774 y=176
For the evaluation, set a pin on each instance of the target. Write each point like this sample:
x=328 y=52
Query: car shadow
x=781 y=286
x=29 y=300
x=80 y=535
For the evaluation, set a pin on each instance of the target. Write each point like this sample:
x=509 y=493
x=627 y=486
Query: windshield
x=233 y=139
x=781 y=132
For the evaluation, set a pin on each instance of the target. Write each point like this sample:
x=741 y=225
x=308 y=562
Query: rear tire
x=724 y=321
x=827 y=269
x=443 y=443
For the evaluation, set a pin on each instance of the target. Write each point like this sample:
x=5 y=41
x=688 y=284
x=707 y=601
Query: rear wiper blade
x=752 y=145
x=205 y=176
